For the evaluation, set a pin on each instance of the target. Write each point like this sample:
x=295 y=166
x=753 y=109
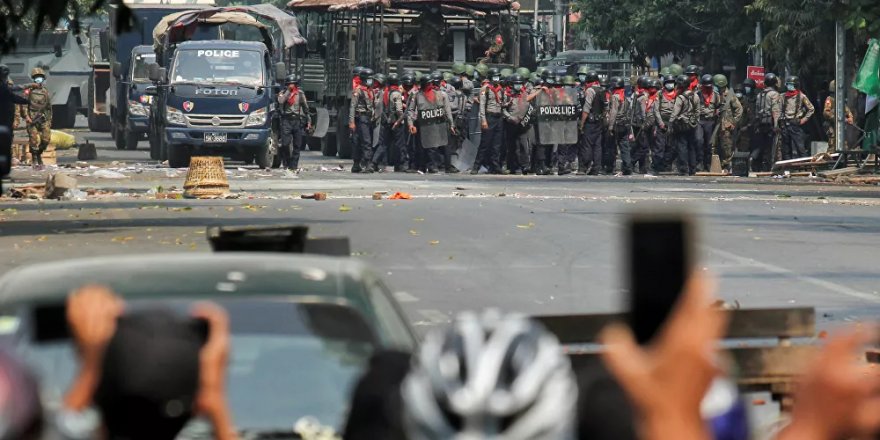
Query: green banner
x=872 y=130
x=868 y=79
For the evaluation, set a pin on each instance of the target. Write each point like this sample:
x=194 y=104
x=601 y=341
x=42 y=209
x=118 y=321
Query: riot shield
x=432 y=122
x=557 y=116
x=522 y=110
x=475 y=132
x=467 y=154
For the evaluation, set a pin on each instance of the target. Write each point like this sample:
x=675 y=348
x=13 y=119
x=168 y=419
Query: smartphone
x=661 y=257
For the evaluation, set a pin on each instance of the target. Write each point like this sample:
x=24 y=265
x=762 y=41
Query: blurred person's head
x=490 y=376
x=150 y=375
x=21 y=415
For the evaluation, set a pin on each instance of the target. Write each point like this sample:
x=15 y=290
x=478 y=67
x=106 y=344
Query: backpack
x=764 y=108
x=600 y=104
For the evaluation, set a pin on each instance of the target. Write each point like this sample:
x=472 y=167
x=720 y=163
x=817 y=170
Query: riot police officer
x=796 y=111
x=708 y=109
x=592 y=114
x=693 y=74
x=295 y=122
x=619 y=127
x=491 y=122
x=684 y=120
x=748 y=121
x=360 y=122
x=430 y=119
x=39 y=116
x=768 y=108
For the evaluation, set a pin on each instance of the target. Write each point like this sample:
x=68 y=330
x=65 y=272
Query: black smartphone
x=661 y=253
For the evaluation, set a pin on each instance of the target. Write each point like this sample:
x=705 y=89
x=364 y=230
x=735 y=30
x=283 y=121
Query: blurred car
x=303 y=327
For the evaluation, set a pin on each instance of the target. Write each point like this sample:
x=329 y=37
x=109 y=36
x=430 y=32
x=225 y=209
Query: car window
x=390 y=319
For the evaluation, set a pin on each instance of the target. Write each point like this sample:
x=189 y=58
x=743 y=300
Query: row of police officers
x=524 y=122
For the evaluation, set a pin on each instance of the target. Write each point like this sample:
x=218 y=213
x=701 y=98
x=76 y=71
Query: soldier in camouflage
x=828 y=116
x=730 y=114
x=39 y=116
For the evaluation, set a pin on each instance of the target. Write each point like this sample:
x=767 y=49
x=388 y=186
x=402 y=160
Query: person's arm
x=305 y=106
x=412 y=114
x=483 y=122
x=449 y=119
x=810 y=109
x=776 y=108
x=613 y=111
x=211 y=399
x=91 y=315
x=282 y=97
x=736 y=109
x=589 y=95
x=355 y=95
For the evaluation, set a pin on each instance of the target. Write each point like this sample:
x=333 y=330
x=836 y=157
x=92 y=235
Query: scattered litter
x=315 y=196
x=529 y=225
x=57 y=184
x=344 y=208
x=74 y=194
x=434 y=242
x=400 y=196
x=377 y=196
x=413 y=232
x=502 y=195
x=109 y=174
x=28 y=192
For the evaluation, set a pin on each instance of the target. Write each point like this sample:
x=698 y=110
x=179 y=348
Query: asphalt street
x=538 y=245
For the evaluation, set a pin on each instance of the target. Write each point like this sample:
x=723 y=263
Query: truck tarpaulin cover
x=166 y=31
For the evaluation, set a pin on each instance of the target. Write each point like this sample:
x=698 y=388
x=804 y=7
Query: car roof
x=221 y=44
x=234 y=274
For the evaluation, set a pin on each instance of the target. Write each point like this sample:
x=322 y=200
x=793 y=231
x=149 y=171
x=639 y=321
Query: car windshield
x=218 y=66
x=289 y=360
x=140 y=64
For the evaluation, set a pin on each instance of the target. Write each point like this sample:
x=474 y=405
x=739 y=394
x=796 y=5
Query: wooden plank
x=744 y=323
x=753 y=365
x=839 y=172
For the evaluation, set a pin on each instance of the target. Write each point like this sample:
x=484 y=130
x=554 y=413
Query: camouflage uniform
x=39 y=113
x=731 y=113
x=828 y=116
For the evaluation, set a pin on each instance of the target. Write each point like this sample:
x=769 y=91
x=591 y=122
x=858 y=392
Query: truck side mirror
x=151 y=91
x=280 y=71
x=153 y=72
x=116 y=69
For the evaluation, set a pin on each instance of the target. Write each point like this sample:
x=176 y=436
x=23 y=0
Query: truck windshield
x=223 y=66
x=139 y=68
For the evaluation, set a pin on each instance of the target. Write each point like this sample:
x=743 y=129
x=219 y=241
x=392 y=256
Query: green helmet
x=469 y=70
x=418 y=75
x=583 y=70
x=665 y=71
x=676 y=69
x=524 y=72
x=534 y=78
x=447 y=75
x=482 y=69
x=458 y=68
x=540 y=71
x=505 y=72
x=568 y=80
x=720 y=80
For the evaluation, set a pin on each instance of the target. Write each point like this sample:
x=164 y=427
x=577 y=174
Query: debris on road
x=315 y=196
x=62 y=140
x=377 y=195
x=87 y=151
x=108 y=174
x=344 y=208
x=401 y=196
x=831 y=174
x=57 y=184
x=28 y=192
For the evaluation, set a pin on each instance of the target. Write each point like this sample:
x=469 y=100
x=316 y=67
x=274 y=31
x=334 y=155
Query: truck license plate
x=215 y=138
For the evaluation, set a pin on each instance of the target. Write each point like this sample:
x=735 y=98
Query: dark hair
x=150 y=376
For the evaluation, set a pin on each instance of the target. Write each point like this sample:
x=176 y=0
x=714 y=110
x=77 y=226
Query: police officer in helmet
x=295 y=122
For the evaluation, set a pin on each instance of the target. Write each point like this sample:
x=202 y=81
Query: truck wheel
x=276 y=158
x=154 y=147
x=120 y=140
x=265 y=156
x=178 y=157
x=328 y=145
x=343 y=134
x=131 y=140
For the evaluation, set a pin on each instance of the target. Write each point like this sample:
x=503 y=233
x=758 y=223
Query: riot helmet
x=516 y=80
x=749 y=86
x=436 y=78
x=592 y=76
x=771 y=80
x=682 y=81
x=455 y=82
x=379 y=80
x=424 y=81
x=792 y=83
x=669 y=82
x=655 y=84
x=643 y=81
x=393 y=79
x=523 y=72
x=569 y=80
x=408 y=79
x=357 y=71
x=706 y=80
x=494 y=75
x=470 y=71
x=675 y=69
x=458 y=69
x=582 y=74
x=616 y=82
x=720 y=81
x=292 y=79
x=692 y=70
x=447 y=75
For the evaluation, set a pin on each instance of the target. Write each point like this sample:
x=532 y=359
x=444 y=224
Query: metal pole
x=839 y=88
x=759 y=52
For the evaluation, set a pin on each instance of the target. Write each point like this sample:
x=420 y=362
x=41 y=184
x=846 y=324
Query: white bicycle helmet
x=490 y=377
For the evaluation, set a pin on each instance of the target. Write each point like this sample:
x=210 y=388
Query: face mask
x=496 y=79
x=582 y=78
x=39 y=80
x=748 y=90
x=369 y=83
x=790 y=87
x=669 y=86
x=738 y=95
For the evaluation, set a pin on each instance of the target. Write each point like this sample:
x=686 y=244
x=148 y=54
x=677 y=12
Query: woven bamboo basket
x=206 y=178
